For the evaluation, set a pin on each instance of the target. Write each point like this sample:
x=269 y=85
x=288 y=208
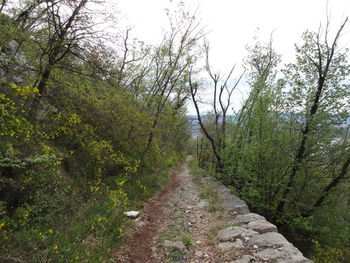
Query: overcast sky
x=232 y=24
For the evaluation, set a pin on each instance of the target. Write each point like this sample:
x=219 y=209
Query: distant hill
x=194 y=124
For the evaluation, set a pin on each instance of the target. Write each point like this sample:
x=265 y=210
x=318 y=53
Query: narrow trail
x=137 y=249
x=177 y=213
x=195 y=219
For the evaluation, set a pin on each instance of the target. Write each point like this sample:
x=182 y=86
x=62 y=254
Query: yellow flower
x=2 y=225
x=41 y=235
x=25 y=91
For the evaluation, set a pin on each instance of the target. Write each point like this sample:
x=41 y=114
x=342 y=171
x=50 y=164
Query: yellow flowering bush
x=69 y=125
x=74 y=170
x=325 y=254
x=12 y=124
x=24 y=91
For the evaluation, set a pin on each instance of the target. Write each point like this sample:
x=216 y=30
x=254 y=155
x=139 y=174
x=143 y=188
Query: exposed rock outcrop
x=13 y=63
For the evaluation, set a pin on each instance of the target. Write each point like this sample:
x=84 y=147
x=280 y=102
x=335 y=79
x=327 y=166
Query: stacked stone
x=250 y=232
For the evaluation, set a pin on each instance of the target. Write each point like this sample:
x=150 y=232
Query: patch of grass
x=212 y=208
x=214 y=230
x=174 y=230
x=182 y=209
x=176 y=255
x=187 y=241
x=207 y=190
x=196 y=171
x=197 y=180
x=220 y=217
x=210 y=193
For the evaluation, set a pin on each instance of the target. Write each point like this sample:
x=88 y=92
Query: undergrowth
x=64 y=187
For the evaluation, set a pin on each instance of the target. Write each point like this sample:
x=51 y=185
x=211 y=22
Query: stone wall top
x=251 y=232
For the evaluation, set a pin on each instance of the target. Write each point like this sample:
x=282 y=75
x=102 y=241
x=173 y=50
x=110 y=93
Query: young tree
x=319 y=90
x=221 y=102
x=260 y=65
x=253 y=158
x=170 y=65
x=62 y=29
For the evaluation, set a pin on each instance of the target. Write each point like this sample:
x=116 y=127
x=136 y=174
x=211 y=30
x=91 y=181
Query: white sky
x=232 y=24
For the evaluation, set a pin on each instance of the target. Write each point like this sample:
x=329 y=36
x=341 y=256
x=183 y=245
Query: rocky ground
x=196 y=219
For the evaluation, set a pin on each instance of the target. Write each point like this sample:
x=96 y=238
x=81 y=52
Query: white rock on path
x=132 y=214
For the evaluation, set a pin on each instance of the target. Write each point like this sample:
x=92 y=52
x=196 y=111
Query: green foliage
x=7 y=29
x=327 y=254
x=187 y=241
x=72 y=191
x=287 y=151
x=81 y=140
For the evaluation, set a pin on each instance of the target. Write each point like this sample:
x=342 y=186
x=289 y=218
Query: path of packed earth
x=191 y=220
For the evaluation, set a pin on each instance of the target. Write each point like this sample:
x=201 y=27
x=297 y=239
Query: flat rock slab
x=261 y=226
x=269 y=239
x=295 y=260
x=233 y=203
x=231 y=245
x=233 y=232
x=230 y=201
x=244 y=259
x=246 y=218
x=286 y=254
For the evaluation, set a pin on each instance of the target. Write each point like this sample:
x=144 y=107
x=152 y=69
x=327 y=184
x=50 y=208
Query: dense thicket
x=286 y=151
x=89 y=122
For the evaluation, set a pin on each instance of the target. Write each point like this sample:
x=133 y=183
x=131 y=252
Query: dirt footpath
x=137 y=248
x=178 y=225
x=196 y=219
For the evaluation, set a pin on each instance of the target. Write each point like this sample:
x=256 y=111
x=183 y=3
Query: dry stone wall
x=251 y=232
